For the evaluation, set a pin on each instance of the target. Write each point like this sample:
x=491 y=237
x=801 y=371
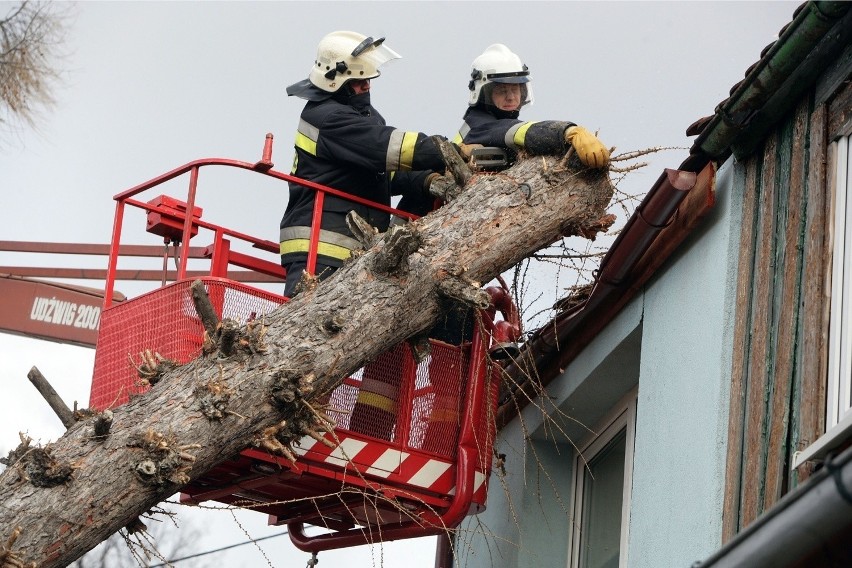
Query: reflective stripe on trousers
x=331 y=244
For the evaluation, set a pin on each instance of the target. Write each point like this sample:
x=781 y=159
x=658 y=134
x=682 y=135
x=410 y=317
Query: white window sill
x=834 y=438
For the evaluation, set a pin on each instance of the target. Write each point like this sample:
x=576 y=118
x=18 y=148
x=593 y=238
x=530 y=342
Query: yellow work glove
x=466 y=150
x=590 y=150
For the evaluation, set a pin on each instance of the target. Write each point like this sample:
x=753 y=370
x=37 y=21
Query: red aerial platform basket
x=418 y=476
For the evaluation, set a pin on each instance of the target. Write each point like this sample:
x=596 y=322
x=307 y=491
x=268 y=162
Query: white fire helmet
x=498 y=64
x=347 y=55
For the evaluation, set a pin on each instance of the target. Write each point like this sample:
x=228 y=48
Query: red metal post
x=265 y=162
x=444 y=556
x=187 y=223
x=468 y=453
x=220 y=258
x=316 y=222
x=113 y=253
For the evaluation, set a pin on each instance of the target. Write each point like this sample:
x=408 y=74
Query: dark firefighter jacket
x=350 y=148
x=504 y=130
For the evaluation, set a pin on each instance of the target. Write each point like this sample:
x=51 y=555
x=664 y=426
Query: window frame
x=622 y=417
x=838 y=393
x=839 y=385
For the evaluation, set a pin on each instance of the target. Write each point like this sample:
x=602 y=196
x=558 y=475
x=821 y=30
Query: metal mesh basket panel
x=163 y=321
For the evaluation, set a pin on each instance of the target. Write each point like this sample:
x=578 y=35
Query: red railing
x=219 y=252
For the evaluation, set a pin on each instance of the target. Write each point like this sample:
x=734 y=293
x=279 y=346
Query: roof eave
x=775 y=83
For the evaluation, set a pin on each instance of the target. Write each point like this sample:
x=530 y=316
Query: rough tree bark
x=63 y=499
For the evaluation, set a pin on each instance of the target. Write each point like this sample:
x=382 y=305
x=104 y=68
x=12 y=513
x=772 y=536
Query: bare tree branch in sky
x=31 y=35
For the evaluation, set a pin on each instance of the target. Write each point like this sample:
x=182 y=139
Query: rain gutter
x=810 y=526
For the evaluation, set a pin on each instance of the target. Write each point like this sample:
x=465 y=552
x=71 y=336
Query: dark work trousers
x=294 y=275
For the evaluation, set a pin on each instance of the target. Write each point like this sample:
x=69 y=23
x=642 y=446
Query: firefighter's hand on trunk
x=466 y=150
x=427 y=183
x=590 y=150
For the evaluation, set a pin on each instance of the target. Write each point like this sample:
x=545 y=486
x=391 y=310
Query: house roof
x=676 y=203
x=786 y=69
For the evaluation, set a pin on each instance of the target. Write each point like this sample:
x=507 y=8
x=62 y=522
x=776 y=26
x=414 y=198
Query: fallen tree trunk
x=62 y=500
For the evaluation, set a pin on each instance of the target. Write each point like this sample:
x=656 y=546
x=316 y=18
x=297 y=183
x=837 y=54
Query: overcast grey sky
x=150 y=86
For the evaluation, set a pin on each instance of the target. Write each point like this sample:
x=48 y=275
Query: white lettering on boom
x=59 y=312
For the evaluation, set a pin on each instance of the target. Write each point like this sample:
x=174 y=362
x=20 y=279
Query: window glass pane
x=839 y=388
x=603 y=487
x=846 y=317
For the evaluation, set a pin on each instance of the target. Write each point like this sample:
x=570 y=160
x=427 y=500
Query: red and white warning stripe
x=376 y=458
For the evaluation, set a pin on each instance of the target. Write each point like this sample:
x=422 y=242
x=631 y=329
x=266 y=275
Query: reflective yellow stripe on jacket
x=463 y=131
x=377 y=401
x=516 y=136
x=400 y=155
x=306 y=137
x=306 y=140
x=379 y=394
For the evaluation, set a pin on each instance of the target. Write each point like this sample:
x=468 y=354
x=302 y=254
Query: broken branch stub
x=204 y=307
x=399 y=243
x=54 y=400
x=363 y=231
x=455 y=164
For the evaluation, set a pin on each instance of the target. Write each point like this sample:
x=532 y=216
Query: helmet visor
x=513 y=77
x=512 y=93
x=375 y=51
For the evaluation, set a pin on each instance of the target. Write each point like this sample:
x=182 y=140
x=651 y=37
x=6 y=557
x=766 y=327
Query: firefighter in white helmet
x=499 y=87
x=343 y=142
